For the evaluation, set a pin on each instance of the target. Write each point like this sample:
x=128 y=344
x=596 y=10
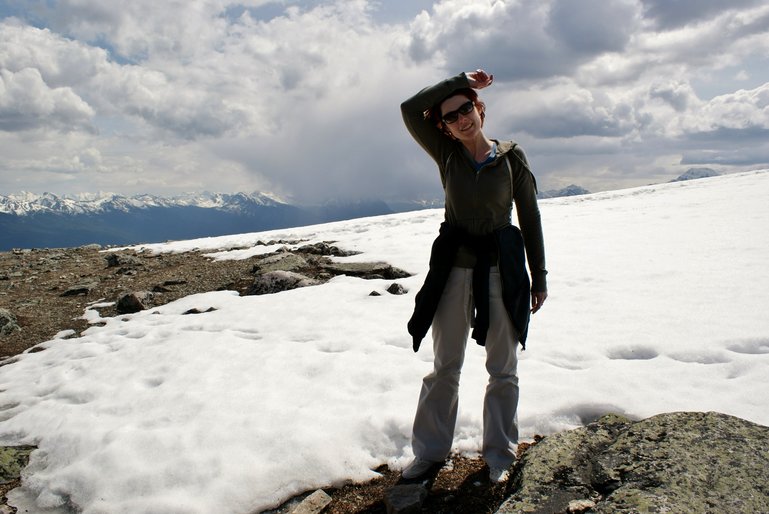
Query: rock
x=133 y=302
x=375 y=293
x=80 y=289
x=12 y=460
x=396 y=289
x=313 y=504
x=283 y=261
x=118 y=259
x=195 y=310
x=175 y=282
x=324 y=248
x=8 y=323
x=673 y=462
x=580 y=506
x=369 y=270
x=277 y=281
x=405 y=499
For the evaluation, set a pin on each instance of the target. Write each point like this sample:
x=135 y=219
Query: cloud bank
x=301 y=97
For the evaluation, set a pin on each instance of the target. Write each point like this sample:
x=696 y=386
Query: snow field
x=657 y=300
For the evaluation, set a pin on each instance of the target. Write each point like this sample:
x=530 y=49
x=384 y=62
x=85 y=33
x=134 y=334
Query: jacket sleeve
x=422 y=129
x=525 y=196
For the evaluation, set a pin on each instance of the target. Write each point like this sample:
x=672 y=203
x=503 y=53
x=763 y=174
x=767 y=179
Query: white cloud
x=139 y=29
x=69 y=70
x=743 y=110
x=27 y=103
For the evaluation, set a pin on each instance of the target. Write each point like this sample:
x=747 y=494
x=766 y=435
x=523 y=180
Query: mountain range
x=48 y=220
x=29 y=220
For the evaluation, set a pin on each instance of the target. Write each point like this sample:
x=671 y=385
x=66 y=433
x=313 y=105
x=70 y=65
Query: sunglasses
x=464 y=109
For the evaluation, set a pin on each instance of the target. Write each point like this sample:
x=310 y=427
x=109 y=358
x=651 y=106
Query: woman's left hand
x=537 y=299
x=479 y=79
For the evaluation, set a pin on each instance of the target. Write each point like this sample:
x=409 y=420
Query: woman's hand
x=479 y=79
x=537 y=299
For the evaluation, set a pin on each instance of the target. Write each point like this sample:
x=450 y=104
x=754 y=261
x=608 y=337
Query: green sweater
x=480 y=202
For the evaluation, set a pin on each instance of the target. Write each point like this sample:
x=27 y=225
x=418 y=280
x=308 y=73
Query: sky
x=301 y=98
x=237 y=409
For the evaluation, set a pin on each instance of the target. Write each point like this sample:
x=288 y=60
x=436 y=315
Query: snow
x=658 y=300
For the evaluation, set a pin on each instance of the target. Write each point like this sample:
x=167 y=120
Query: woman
x=477 y=274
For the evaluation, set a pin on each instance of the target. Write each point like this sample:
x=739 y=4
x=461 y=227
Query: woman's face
x=461 y=124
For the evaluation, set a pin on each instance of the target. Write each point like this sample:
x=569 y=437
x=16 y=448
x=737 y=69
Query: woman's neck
x=479 y=147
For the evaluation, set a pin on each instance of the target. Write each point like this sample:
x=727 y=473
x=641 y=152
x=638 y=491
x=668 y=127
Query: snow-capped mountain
x=570 y=190
x=28 y=203
x=48 y=220
x=695 y=173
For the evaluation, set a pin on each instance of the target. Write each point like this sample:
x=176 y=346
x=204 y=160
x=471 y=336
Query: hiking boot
x=417 y=468
x=497 y=475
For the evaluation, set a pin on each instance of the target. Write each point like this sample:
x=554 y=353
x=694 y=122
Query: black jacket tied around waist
x=507 y=242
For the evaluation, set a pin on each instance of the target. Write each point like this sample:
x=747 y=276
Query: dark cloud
x=678 y=96
x=581 y=116
x=571 y=124
x=591 y=27
x=728 y=136
x=340 y=157
x=742 y=157
x=672 y=14
x=525 y=40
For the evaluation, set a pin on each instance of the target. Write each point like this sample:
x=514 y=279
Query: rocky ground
x=460 y=487
x=44 y=293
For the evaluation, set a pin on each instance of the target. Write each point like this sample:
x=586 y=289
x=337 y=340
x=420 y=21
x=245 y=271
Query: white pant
x=437 y=408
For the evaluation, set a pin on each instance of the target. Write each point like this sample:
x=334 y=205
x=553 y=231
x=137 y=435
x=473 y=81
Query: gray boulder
x=120 y=259
x=396 y=289
x=80 y=289
x=405 y=499
x=12 y=460
x=8 y=323
x=137 y=301
x=324 y=248
x=685 y=462
x=277 y=281
x=283 y=261
x=313 y=504
x=368 y=270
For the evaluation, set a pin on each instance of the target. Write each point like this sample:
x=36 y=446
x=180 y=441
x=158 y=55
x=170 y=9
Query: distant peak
x=695 y=173
x=570 y=190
